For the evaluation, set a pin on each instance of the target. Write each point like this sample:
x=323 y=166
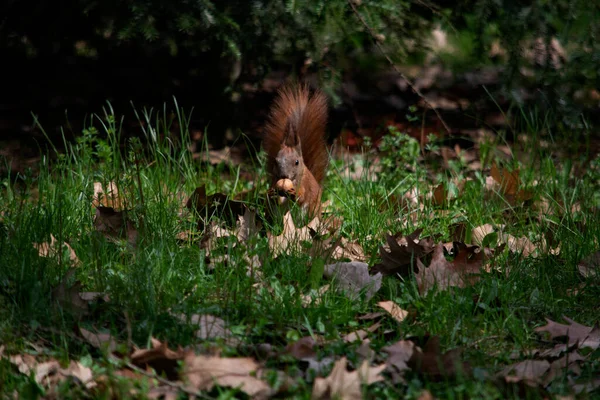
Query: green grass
x=162 y=276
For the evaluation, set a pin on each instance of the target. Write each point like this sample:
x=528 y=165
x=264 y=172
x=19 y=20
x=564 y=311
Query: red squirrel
x=295 y=144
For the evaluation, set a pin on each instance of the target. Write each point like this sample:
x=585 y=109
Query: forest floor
x=462 y=265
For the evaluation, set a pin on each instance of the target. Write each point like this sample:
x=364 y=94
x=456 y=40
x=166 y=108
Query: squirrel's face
x=289 y=164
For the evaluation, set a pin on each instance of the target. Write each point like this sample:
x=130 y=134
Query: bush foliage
x=248 y=38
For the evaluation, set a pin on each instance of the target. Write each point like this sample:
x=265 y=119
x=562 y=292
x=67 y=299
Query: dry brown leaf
x=107 y=198
x=426 y=395
x=356 y=336
x=463 y=270
x=344 y=385
x=99 y=340
x=53 y=249
x=510 y=185
x=402 y=253
x=163 y=392
x=394 y=310
x=577 y=334
x=82 y=374
x=439 y=195
x=204 y=372
x=348 y=250
x=589 y=267
x=353 y=279
x=302 y=348
x=528 y=371
x=227 y=155
x=159 y=357
x=24 y=362
x=68 y=297
x=567 y=364
x=290 y=239
x=247 y=226
x=399 y=354
x=209 y=327
x=521 y=245
x=314 y=297
x=480 y=232
x=217 y=204
x=431 y=362
x=116 y=225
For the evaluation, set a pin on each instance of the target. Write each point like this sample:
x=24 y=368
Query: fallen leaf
x=107 y=198
x=217 y=204
x=587 y=387
x=567 y=364
x=53 y=249
x=577 y=334
x=290 y=239
x=159 y=357
x=463 y=270
x=302 y=348
x=439 y=195
x=344 y=385
x=510 y=185
x=348 y=250
x=399 y=354
x=357 y=336
x=480 y=232
x=44 y=370
x=116 y=225
x=99 y=340
x=521 y=245
x=82 y=374
x=431 y=362
x=68 y=296
x=247 y=226
x=402 y=254
x=24 y=362
x=394 y=310
x=530 y=371
x=425 y=395
x=314 y=297
x=209 y=327
x=589 y=267
x=163 y=392
x=204 y=372
x=353 y=278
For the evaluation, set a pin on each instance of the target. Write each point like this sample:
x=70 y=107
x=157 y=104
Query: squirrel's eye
x=297 y=162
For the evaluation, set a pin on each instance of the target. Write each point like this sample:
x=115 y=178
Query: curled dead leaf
x=394 y=310
x=204 y=372
x=402 y=254
x=463 y=270
x=344 y=385
x=353 y=279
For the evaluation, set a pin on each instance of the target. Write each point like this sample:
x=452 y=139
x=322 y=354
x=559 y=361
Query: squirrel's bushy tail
x=297 y=109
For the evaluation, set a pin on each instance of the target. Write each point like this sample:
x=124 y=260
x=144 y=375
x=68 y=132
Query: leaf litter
x=432 y=263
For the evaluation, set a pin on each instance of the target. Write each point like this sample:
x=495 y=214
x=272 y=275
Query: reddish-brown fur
x=298 y=116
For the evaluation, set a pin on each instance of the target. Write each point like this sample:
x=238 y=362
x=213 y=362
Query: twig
x=483 y=339
x=389 y=60
x=167 y=382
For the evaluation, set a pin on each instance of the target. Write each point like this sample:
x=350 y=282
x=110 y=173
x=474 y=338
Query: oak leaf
x=402 y=254
x=204 y=372
x=353 y=279
x=291 y=238
x=344 y=385
x=577 y=334
x=463 y=270
x=159 y=357
x=394 y=310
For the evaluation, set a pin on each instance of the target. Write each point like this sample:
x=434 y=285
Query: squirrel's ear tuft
x=291 y=138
